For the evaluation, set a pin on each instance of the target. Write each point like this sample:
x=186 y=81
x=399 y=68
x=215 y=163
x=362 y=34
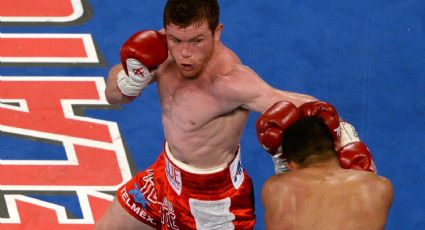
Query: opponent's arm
x=140 y=55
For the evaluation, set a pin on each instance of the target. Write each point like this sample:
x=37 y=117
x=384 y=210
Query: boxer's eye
x=175 y=40
x=196 y=41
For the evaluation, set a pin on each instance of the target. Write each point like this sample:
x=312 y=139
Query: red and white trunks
x=165 y=196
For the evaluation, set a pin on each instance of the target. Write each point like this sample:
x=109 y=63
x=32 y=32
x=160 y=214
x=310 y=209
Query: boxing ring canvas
x=64 y=150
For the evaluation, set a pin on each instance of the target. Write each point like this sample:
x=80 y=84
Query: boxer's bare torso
x=206 y=95
x=202 y=116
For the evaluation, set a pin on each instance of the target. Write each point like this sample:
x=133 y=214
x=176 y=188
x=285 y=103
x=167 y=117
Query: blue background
x=365 y=57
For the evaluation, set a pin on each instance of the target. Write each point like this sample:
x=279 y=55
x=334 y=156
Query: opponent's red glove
x=140 y=54
x=270 y=127
x=354 y=154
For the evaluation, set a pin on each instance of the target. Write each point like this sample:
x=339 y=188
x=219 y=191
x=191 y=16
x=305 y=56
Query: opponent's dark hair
x=184 y=13
x=308 y=141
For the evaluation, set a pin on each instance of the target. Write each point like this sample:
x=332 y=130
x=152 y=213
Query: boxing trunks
x=171 y=195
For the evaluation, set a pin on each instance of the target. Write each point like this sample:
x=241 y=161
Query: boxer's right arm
x=112 y=93
x=140 y=55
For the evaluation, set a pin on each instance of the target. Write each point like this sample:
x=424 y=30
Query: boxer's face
x=191 y=47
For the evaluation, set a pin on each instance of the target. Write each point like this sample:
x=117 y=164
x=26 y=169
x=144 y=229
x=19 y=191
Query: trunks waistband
x=189 y=168
x=186 y=178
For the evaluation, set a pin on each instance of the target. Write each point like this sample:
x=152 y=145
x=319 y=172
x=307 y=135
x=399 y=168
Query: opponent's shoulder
x=282 y=190
x=274 y=185
x=376 y=181
x=283 y=183
x=371 y=183
x=383 y=186
x=377 y=190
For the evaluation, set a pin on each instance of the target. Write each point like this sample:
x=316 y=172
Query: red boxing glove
x=327 y=112
x=149 y=47
x=273 y=122
x=140 y=54
x=354 y=154
x=270 y=127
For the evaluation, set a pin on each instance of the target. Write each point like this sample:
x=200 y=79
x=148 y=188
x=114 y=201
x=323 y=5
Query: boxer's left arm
x=246 y=89
x=242 y=87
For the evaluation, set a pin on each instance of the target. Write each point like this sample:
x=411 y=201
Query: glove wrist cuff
x=127 y=86
x=280 y=164
x=348 y=134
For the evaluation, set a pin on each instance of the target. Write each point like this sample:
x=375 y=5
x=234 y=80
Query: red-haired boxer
x=206 y=94
x=318 y=193
x=352 y=153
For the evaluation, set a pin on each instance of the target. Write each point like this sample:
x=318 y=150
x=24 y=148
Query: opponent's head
x=192 y=28
x=308 y=141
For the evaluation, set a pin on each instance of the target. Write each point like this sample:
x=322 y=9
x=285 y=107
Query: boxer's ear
x=217 y=32
x=293 y=166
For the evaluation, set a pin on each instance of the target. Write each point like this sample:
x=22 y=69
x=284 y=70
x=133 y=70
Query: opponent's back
x=315 y=198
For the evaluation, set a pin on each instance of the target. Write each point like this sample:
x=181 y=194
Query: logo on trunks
x=134 y=207
x=143 y=196
x=173 y=176
x=236 y=172
x=168 y=216
x=138 y=196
